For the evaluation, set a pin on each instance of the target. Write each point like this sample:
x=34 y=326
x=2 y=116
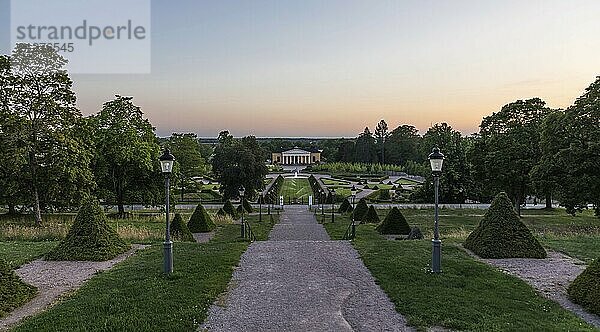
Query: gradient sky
x=331 y=67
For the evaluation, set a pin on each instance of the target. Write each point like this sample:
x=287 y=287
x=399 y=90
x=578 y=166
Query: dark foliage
x=200 y=221
x=13 y=291
x=371 y=216
x=179 y=229
x=394 y=223
x=585 y=289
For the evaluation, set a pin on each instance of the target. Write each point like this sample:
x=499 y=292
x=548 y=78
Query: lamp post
x=436 y=159
x=353 y=192
x=332 y=205
x=260 y=200
x=242 y=191
x=166 y=164
x=322 y=205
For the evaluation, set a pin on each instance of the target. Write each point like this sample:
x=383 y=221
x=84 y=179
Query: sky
x=329 y=68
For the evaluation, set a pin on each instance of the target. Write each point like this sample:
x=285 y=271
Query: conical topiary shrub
x=179 y=229
x=247 y=206
x=221 y=212
x=501 y=234
x=90 y=237
x=585 y=289
x=229 y=209
x=415 y=234
x=371 y=216
x=360 y=210
x=13 y=291
x=345 y=207
x=200 y=221
x=239 y=210
x=394 y=223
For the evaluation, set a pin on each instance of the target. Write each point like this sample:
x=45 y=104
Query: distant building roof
x=311 y=150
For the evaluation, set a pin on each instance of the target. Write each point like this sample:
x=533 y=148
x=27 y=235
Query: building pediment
x=295 y=151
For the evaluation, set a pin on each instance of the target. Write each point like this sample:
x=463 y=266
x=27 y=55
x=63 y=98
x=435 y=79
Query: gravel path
x=55 y=278
x=203 y=237
x=550 y=276
x=301 y=281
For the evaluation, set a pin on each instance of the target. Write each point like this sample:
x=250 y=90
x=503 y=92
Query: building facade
x=296 y=156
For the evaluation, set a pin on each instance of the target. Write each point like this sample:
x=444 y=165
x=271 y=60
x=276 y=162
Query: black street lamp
x=332 y=191
x=436 y=158
x=242 y=191
x=322 y=196
x=166 y=164
x=353 y=192
x=260 y=201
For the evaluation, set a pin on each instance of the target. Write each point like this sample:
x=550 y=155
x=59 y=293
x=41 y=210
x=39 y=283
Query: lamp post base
x=168 y=247
x=436 y=259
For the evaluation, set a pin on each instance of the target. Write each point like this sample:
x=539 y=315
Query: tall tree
x=365 y=150
x=43 y=117
x=189 y=161
x=239 y=162
x=127 y=150
x=403 y=145
x=510 y=147
x=381 y=137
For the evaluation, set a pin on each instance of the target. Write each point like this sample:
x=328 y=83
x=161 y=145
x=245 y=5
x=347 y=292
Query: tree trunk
x=182 y=187
x=549 y=201
x=36 y=207
x=120 y=203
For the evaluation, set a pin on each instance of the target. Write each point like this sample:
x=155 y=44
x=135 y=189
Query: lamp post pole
x=332 y=205
x=436 y=159
x=260 y=199
x=243 y=226
x=353 y=191
x=323 y=206
x=166 y=163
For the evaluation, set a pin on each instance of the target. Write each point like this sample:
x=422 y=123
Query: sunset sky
x=329 y=68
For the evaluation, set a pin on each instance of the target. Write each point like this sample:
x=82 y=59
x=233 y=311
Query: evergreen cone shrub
x=247 y=206
x=394 y=223
x=345 y=207
x=221 y=212
x=200 y=221
x=239 y=209
x=229 y=209
x=360 y=210
x=585 y=289
x=13 y=291
x=90 y=237
x=415 y=234
x=501 y=234
x=371 y=216
x=179 y=229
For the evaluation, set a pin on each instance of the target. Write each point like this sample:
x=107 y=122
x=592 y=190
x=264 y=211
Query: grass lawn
x=334 y=182
x=296 y=189
x=468 y=295
x=17 y=253
x=405 y=181
x=136 y=296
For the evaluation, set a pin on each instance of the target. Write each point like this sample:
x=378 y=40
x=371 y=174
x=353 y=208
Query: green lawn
x=296 y=189
x=468 y=295
x=136 y=296
x=17 y=253
x=334 y=182
x=405 y=181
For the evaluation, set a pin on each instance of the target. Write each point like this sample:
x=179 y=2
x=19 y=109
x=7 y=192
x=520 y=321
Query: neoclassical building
x=296 y=156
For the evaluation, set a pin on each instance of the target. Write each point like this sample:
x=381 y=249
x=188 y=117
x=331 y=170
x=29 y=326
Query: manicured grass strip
x=586 y=248
x=136 y=296
x=296 y=189
x=17 y=253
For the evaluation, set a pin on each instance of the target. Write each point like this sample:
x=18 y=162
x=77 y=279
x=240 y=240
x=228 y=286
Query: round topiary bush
x=501 y=234
x=229 y=209
x=179 y=229
x=394 y=223
x=90 y=237
x=360 y=210
x=415 y=234
x=13 y=291
x=345 y=207
x=371 y=216
x=247 y=206
x=200 y=221
x=585 y=289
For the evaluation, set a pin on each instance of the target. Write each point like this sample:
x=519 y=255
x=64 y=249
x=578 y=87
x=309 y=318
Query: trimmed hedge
x=360 y=210
x=345 y=207
x=501 y=234
x=179 y=229
x=394 y=223
x=371 y=216
x=229 y=209
x=200 y=221
x=90 y=237
x=13 y=291
x=221 y=212
x=247 y=206
x=585 y=289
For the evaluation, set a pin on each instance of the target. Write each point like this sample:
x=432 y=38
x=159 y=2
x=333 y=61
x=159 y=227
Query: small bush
x=366 y=186
x=179 y=229
x=90 y=237
x=13 y=291
x=384 y=195
x=394 y=223
x=221 y=212
x=200 y=221
x=501 y=234
x=371 y=216
x=345 y=207
x=247 y=206
x=375 y=187
x=360 y=210
x=229 y=209
x=585 y=289
x=239 y=209
x=415 y=234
